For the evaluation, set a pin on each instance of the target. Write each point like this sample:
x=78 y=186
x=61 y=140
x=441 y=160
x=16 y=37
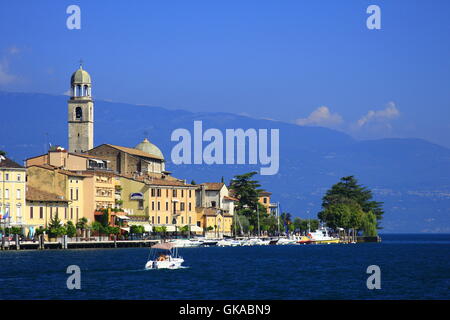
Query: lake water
x=412 y=267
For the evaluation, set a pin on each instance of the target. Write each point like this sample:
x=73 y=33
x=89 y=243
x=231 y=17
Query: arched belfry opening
x=78 y=113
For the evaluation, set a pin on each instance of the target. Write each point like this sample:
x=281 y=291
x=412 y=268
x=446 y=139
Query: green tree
x=71 y=229
x=298 y=224
x=369 y=224
x=97 y=227
x=55 y=229
x=82 y=223
x=348 y=191
x=247 y=191
x=2 y=153
x=15 y=230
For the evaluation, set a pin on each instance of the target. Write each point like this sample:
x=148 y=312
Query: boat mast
x=278 y=218
x=257 y=212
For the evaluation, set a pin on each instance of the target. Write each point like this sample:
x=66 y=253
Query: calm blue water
x=412 y=267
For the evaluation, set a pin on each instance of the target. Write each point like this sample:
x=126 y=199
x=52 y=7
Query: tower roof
x=80 y=77
x=149 y=147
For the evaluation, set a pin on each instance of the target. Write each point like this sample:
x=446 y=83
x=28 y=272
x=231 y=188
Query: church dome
x=80 y=76
x=149 y=147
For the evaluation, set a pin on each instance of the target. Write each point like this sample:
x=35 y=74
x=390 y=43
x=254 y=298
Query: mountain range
x=411 y=176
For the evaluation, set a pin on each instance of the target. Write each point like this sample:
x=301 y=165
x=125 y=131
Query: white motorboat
x=321 y=236
x=229 y=243
x=164 y=256
x=185 y=243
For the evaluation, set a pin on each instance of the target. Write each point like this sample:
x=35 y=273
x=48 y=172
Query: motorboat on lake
x=163 y=256
x=321 y=236
x=185 y=243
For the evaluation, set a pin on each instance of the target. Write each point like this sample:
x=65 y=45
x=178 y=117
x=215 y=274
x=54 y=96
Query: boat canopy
x=163 y=246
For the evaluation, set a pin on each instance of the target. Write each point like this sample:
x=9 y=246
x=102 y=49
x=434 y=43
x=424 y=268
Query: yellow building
x=42 y=206
x=214 y=223
x=52 y=184
x=12 y=192
x=215 y=209
x=264 y=199
x=168 y=202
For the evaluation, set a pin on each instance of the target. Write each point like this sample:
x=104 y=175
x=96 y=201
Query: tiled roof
x=62 y=171
x=87 y=156
x=230 y=198
x=8 y=163
x=264 y=193
x=135 y=152
x=34 y=194
x=213 y=186
x=149 y=180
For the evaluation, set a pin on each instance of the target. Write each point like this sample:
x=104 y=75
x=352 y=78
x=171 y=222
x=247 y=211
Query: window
x=153 y=220
x=76 y=194
x=159 y=220
x=167 y=206
x=153 y=192
x=18 y=195
x=167 y=220
x=153 y=205
x=190 y=220
x=141 y=204
x=182 y=193
x=167 y=193
x=65 y=213
x=78 y=113
x=174 y=193
x=31 y=212
x=198 y=223
x=6 y=193
x=71 y=194
x=182 y=220
x=213 y=204
x=77 y=213
x=71 y=213
x=41 y=213
x=182 y=206
x=190 y=193
x=159 y=205
x=265 y=200
x=19 y=213
x=6 y=176
x=19 y=177
x=158 y=192
x=190 y=206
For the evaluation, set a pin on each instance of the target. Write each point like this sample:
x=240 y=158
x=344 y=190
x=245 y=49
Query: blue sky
x=308 y=62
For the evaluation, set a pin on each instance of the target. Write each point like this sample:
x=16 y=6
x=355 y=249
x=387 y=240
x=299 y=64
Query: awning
x=123 y=217
x=196 y=228
x=127 y=229
x=170 y=228
x=136 y=196
x=146 y=225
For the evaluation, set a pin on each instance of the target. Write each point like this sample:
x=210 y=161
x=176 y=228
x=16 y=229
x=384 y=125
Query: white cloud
x=380 y=116
x=5 y=76
x=321 y=117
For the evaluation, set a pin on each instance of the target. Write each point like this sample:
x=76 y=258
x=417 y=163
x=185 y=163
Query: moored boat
x=163 y=256
x=321 y=236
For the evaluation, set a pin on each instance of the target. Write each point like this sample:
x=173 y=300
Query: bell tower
x=80 y=112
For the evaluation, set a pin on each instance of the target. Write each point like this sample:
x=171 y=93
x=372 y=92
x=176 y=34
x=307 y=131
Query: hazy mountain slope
x=410 y=175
